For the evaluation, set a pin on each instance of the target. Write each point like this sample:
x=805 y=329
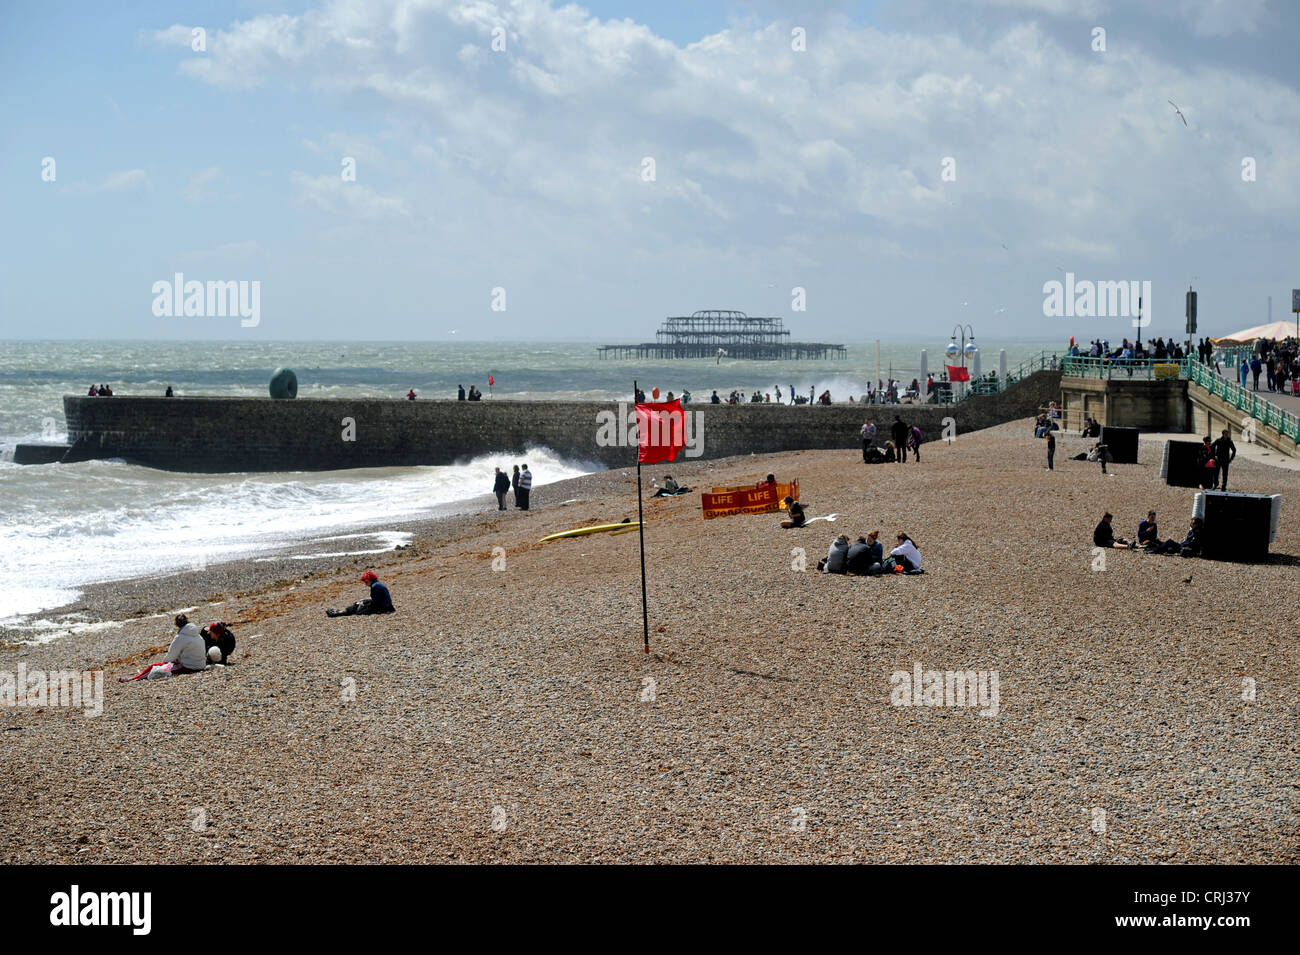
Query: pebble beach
x=507 y=713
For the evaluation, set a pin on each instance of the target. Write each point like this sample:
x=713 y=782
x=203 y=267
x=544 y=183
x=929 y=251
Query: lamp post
x=967 y=348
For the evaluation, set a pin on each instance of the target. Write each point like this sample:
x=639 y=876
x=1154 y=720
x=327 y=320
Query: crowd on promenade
x=1278 y=362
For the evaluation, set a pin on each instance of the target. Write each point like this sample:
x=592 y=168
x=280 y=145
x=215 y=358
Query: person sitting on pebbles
x=836 y=560
x=795 y=510
x=219 y=640
x=866 y=555
x=379 y=601
x=671 y=488
x=905 y=556
x=1104 y=535
x=187 y=654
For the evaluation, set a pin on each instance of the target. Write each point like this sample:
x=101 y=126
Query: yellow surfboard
x=594 y=529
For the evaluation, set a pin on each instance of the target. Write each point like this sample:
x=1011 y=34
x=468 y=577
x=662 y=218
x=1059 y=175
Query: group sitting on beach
x=187 y=654
x=379 y=601
x=1148 y=537
x=671 y=488
x=865 y=557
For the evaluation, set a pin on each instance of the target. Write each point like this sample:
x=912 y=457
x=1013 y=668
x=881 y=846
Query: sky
x=537 y=171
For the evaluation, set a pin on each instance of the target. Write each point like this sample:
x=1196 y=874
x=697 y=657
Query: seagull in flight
x=964 y=304
x=999 y=311
x=1178 y=111
x=453 y=331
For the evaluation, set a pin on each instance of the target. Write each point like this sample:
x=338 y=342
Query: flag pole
x=640 y=519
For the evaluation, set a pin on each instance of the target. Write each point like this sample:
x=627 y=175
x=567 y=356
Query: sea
x=64 y=527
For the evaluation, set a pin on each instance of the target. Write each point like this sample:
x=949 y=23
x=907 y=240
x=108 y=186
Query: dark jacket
x=502 y=483
x=1103 y=536
x=380 y=599
x=220 y=636
x=1224 y=450
x=899 y=432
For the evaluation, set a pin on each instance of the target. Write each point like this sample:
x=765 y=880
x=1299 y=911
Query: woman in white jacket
x=906 y=553
x=187 y=653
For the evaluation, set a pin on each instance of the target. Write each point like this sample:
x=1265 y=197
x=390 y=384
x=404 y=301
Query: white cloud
x=539 y=147
x=347 y=200
x=197 y=190
x=130 y=180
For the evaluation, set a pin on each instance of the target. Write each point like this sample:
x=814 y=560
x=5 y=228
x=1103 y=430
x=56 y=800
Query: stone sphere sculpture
x=284 y=383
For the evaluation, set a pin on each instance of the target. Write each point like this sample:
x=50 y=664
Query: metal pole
x=640 y=517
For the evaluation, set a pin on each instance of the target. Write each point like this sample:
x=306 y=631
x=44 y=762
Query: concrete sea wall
x=203 y=434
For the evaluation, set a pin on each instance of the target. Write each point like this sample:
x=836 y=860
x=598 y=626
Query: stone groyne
x=210 y=434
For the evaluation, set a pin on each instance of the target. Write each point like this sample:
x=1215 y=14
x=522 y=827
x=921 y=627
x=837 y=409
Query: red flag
x=661 y=431
x=957 y=373
x=491 y=381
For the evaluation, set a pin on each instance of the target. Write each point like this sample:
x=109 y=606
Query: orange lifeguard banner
x=746 y=499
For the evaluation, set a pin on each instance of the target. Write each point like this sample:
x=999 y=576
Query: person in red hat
x=379 y=601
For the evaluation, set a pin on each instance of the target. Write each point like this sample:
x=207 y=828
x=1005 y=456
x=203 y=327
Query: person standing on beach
x=1224 y=452
x=514 y=483
x=525 y=487
x=898 y=431
x=1051 y=451
x=500 y=485
x=914 y=440
x=868 y=438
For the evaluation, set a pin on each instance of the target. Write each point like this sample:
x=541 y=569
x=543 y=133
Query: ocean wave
x=67 y=526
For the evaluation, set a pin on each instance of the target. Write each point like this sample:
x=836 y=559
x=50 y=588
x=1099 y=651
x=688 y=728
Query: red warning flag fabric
x=661 y=431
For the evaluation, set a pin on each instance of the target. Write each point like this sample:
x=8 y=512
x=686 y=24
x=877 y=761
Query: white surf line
x=67 y=625
x=392 y=539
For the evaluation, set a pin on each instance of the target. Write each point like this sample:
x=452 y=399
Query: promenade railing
x=1106 y=368
x=1249 y=402
x=1227 y=388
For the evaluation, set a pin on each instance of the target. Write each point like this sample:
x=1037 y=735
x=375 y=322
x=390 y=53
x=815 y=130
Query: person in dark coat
x=218 y=635
x=379 y=601
x=1224 y=452
x=1104 y=535
x=500 y=487
x=514 y=483
x=898 y=431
